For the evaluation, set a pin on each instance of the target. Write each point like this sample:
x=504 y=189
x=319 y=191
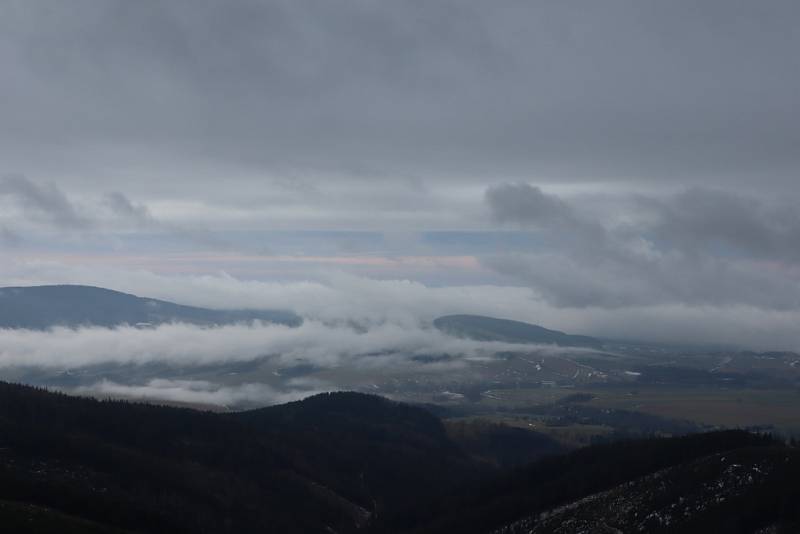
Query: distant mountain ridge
x=41 y=307
x=482 y=328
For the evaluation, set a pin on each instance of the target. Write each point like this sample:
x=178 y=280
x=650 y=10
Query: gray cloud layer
x=698 y=247
x=307 y=114
x=413 y=92
x=150 y=117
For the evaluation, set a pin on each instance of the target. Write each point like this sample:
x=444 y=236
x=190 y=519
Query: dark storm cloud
x=699 y=219
x=694 y=221
x=527 y=205
x=123 y=207
x=46 y=202
x=587 y=91
x=573 y=280
x=50 y=208
x=698 y=247
x=9 y=238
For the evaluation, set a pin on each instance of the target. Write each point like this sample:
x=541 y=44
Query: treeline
x=339 y=462
x=559 y=480
x=335 y=460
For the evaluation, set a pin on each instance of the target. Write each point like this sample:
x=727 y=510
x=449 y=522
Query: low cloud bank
x=344 y=300
x=195 y=392
x=330 y=297
x=180 y=345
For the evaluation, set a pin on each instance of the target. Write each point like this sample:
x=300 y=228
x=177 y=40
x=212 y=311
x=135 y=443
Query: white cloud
x=333 y=297
x=195 y=392
x=323 y=345
x=402 y=306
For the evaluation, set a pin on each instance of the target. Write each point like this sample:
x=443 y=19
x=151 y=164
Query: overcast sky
x=624 y=167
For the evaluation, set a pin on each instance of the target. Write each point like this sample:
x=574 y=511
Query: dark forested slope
x=346 y=462
x=728 y=481
x=335 y=460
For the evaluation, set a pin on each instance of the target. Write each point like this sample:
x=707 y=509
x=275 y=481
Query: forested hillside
x=347 y=462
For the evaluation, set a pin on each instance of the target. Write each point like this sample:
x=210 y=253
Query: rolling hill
x=483 y=328
x=41 y=307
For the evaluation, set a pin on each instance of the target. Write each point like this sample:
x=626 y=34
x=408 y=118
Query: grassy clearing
x=723 y=407
x=568 y=435
x=708 y=406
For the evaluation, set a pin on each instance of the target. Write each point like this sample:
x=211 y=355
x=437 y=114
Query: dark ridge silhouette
x=511 y=503
x=349 y=462
x=335 y=461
